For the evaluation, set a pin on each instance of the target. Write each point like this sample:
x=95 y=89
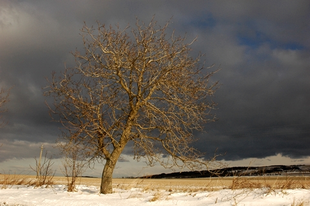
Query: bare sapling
x=45 y=172
x=74 y=164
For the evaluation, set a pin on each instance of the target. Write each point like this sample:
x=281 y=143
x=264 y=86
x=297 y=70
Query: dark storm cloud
x=24 y=149
x=262 y=48
x=263 y=109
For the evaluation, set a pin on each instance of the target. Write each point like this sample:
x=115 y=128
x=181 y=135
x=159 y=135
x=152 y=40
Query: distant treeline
x=237 y=171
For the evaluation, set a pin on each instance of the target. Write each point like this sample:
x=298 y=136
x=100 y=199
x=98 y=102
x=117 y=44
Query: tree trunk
x=106 y=179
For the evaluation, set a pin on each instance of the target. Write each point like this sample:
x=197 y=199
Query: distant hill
x=296 y=170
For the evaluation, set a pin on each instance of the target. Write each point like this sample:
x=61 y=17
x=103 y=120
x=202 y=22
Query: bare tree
x=140 y=86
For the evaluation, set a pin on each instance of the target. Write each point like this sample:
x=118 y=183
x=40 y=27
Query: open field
x=203 y=184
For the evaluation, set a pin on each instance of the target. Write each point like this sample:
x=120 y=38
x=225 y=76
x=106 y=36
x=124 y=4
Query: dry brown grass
x=212 y=184
x=273 y=183
x=157 y=196
x=298 y=203
x=8 y=180
x=178 y=185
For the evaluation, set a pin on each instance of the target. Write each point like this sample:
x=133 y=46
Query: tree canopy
x=136 y=85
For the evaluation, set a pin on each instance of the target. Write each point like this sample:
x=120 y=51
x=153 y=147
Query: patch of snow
x=89 y=195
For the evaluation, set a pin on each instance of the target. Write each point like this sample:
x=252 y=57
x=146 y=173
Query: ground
x=142 y=192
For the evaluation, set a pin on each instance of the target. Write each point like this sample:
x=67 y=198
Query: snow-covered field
x=89 y=195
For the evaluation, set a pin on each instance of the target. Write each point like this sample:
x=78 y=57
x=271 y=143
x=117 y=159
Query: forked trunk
x=106 y=179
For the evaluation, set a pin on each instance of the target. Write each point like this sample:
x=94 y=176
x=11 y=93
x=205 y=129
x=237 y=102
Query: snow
x=89 y=195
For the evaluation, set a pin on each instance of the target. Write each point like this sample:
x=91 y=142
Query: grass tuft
x=298 y=203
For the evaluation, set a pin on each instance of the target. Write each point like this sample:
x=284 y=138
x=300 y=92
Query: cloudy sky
x=262 y=48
